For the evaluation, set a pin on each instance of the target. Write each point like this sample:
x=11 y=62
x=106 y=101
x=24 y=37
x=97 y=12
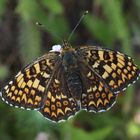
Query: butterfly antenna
x=84 y=14
x=42 y=26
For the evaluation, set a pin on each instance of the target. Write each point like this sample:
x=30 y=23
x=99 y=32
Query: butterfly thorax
x=70 y=65
x=69 y=60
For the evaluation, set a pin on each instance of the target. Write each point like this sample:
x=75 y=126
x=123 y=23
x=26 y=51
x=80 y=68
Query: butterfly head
x=66 y=45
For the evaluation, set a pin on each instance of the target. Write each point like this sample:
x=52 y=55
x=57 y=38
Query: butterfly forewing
x=116 y=70
x=58 y=103
x=28 y=87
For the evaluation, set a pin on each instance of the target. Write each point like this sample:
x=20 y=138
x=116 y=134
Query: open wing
x=27 y=88
x=115 y=69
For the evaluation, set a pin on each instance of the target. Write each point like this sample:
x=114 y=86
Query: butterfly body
x=71 y=71
x=62 y=82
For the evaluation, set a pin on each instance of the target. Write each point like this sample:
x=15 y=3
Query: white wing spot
x=124 y=89
x=134 y=82
x=18 y=74
x=11 y=82
x=22 y=107
x=6 y=102
x=92 y=111
x=37 y=109
x=5 y=87
x=129 y=85
x=103 y=110
x=10 y=104
x=3 y=99
x=117 y=92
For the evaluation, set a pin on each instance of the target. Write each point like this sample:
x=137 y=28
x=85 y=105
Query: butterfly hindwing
x=116 y=69
x=96 y=97
x=28 y=87
x=59 y=105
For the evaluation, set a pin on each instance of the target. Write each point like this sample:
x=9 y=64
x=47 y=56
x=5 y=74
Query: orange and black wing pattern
x=28 y=87
x=44 y=85
x=116 y=70
x=58 y=104
x=96 y=96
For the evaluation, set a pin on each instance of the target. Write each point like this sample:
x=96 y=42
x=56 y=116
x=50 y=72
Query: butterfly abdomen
x=75 y=85
x=69 y=62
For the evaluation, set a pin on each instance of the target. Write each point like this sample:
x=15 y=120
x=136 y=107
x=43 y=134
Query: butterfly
x=67 y=80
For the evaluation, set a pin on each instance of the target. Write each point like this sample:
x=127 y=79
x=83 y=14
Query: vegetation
x=112 y=24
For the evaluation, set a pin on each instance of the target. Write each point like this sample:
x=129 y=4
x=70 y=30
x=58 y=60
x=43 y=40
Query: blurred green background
x=112 y=24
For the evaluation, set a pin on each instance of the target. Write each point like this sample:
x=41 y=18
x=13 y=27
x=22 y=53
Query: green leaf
x=70 y=132
x=117 y=23
x=56 y=26
x=30 y=41
x=133 y=130
x=54 y=6
x=4 y=71
x=2 y=6
x=99 y=29
x=26 y=9
x=101 y=134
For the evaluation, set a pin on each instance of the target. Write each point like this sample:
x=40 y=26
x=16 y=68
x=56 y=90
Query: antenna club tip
x=38 y=23
x=86 y=12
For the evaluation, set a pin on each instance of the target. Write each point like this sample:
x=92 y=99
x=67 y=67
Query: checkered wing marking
x=27 y=89
x=59 y=104
x=116 y=69
x=96 y=96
